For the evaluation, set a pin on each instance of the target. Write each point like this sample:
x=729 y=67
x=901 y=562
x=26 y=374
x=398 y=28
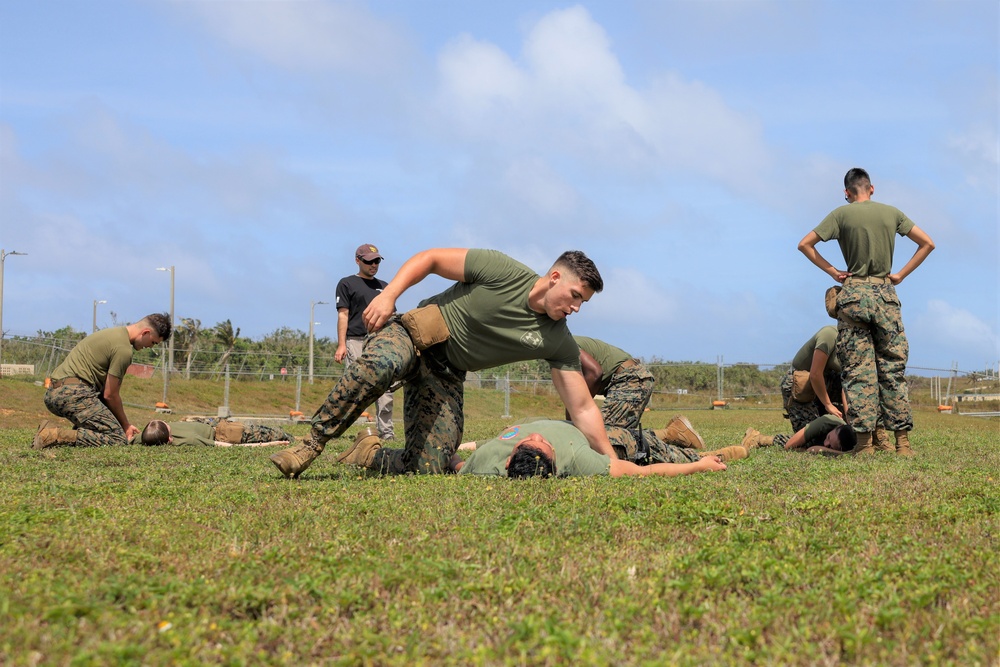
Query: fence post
x=506 y=397
x=298 y=387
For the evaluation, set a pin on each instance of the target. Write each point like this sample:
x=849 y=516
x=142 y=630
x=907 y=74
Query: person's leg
x=433 y=421
x=383 y=417
x=93 y=422
x=388 y=356
x=665 y=452
x=627 y=396
x=891 y=353
x=799 y=414
x=856 y=351
x=253 y=433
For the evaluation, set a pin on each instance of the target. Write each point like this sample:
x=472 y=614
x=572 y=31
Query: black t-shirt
x=355 y=293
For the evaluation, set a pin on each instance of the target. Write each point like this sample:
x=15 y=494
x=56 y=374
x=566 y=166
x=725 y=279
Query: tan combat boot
x=293 y=461
x=680 y=432
x=903 y=444
x=864 y=446
x=728 y=454
x=882 y=443
x=765 y=440
x=751 y=439
x=362 y=452
x=49 y=436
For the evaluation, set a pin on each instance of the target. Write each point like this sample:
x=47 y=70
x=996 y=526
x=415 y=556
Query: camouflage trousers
x=626 y=446
x=383 y=406
x=800 y=414
x=433 y=398
x=251 y=432
x=873 y=350
x=626 y=396
x=95 y=425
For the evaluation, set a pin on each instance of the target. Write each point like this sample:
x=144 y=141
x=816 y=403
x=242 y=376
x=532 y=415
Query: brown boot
x=903 y=444
x=48 y=436
x=293 y=461
x=864 y=446
x=362 y=452
x=882 y=443
x=751 y=439
x=728 y=454
x=680 y=432
x=765 y=440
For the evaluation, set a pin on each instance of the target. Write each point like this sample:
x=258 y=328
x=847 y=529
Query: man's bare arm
x=924 y=248
x=807 y=246
x=584 y=413
x=112 y=398
x=445 y=262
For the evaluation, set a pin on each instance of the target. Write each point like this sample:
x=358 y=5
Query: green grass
x=191 y=556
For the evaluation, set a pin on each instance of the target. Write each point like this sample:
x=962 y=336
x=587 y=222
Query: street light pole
x=3 y=258
x=312 y=328
x=95 y=313
x=170 y=358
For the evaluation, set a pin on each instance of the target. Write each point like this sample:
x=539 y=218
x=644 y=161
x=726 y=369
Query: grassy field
x=191 y=556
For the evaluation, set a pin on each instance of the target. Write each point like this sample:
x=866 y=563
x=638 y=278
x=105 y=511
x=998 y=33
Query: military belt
x=55 y=384
x=868 y=279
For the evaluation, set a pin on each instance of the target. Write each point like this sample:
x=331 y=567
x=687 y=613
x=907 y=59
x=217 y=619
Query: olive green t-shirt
x=825 y=340
x=866 y=232
x=574 y=457
x=106 y=352
x=186 y=433
x=608 y=356
x=491 y=323
x=818 y=428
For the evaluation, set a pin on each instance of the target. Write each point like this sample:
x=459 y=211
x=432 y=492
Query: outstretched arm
x=583 y=411
x=445 y=262
x=621 y=468
x=818 y=382
x=113 y=399
x=807 y=246
x=924 y=248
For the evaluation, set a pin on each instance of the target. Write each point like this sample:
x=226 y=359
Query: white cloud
x=307 y=36
x=956 y=330
x=570 y=95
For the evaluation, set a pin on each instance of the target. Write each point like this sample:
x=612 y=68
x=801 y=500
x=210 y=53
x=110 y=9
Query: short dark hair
x=530 y=461
x=583 y=267
x=846 y=437
x=160 y=323
x=155 y=433
x=856 y=179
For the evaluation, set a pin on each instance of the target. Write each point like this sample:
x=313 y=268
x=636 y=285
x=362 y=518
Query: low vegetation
x=191 y=556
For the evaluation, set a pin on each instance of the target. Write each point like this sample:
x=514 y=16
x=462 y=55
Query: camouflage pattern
x=626 y=396
x=433 y=399
x=627 y=448
x=252 y=433
x=873 y=350
x=95 y=425
x=781 y=439
x=383 y=406
x=800 y=414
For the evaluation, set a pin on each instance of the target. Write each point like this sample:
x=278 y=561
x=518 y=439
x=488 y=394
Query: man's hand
x=378 y=312
x=131 y=431
x=340 y=353
x=712 y=463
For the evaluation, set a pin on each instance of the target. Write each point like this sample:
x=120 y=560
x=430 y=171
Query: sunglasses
x=369 y=262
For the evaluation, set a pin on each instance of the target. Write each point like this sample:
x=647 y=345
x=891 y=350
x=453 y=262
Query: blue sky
x=685 y=146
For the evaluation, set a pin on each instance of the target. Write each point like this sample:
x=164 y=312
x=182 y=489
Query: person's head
x=571 y=281
x=150 y=330
x=532 y=457
x=857 y=184
x=368 y=259
x=842 y=439
x=157 y=432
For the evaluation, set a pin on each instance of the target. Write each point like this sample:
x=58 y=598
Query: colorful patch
x=510 y=433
